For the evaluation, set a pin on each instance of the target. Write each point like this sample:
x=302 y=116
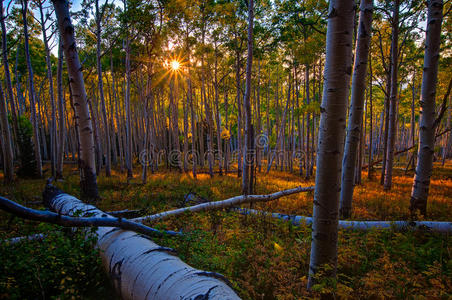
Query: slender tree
x=248 y=155
x=333 y=109
x=8 y=160
x=31 y=92
x=355 y=118
x=428 y=123
x=88 y=180
x=393 y=98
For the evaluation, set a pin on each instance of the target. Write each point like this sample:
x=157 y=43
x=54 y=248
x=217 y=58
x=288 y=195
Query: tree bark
x=331 y=139
x=8 y=159
x=61 y=105
x=88 y=180
x=248 y=155
x=139 y=268
x=393 y=98
x=31 y=92
x=427 y=128
x=355 y=118
x=100 y=85
x=9 y=85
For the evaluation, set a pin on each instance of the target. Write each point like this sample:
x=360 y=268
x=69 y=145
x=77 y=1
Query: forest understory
x=262 y=257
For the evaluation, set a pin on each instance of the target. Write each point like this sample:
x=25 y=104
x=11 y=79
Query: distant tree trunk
x=258 y=132
x=128 y=149
x=355 y=118
x=393 y=98
x=370 y=148
x=280 y=136
x=217 y=113
x=308 y=100
x=248 y=155
x=53 y=134
x=8 y=159
x=31 y=92
x=9 y=86
x=226 y=126
x=100 y=85
x=88 y=180
x=239 y=114
x=427 y=128
x=448 y=142
x=185 y=109
x=61 y=105
x=331 y=139
x=193 y=128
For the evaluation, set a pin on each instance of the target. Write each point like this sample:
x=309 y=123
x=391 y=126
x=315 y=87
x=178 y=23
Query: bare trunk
x=61 y=105
x=9 y=85
x=392 y=99
x=100 y=86
x=427 y=126
x=8 y=159
x=355 y=118
x=88 y=180
x=331 y=139
x=31 y=92
x=248 y=156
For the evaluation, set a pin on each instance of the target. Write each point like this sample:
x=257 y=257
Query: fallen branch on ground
x=444 y=227
x=125 y=213
x=237 y=200
x=139 y=268
x=32 y=237
x=67 y=221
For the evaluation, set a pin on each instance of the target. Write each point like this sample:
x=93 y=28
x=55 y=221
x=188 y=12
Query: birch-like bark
x=31 y=92
x=355 y=118
x=393 y=98
x=88 y=180
x=217 y=113
x=427 y=128
x=331 y=139
x=61 y=105
x=215 y=205
x=8 y=159
x=9 y=85
x=139 y=268
x=248 y=153
x=442 y=227
x=370 y=148
x=53 y=134
x=100 y=85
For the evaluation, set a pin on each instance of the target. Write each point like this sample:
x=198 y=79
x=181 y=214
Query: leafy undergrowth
x=263 y=258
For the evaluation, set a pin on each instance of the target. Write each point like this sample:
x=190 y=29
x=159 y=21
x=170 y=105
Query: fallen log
x=68 y=221
x=139 y=268
x=126 y=213
x=443 y=227
x=18 y=239
x=380 y=160
x=237 y=200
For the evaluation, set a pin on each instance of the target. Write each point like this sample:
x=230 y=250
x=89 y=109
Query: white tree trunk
x=357 y=107
x=88 y=180
x=443 y=227
x=427 y=127
x=6 y=140
x=393 y=99
x=331 y=138
x=237 y=200
x=139 y=268
x=248 y=153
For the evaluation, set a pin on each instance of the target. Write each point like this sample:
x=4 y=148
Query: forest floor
x=263 y=258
